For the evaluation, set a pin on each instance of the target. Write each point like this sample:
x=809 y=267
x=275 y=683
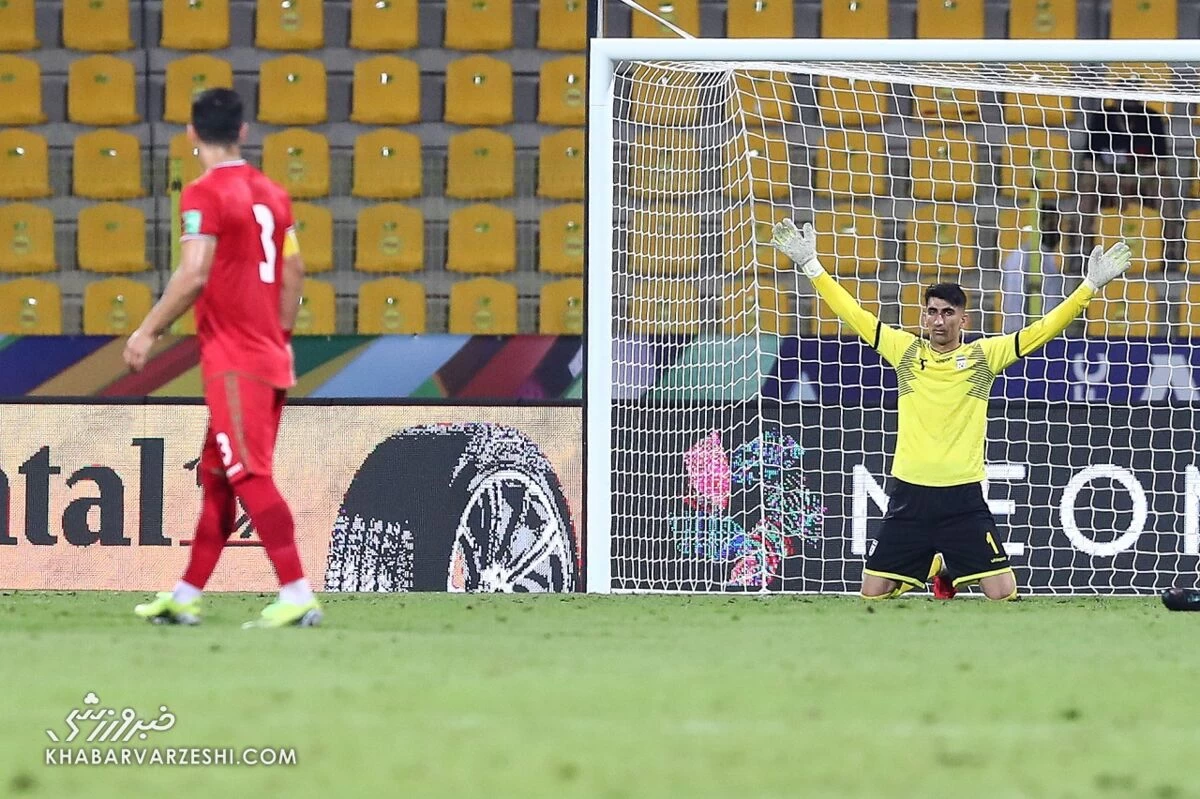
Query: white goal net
x=749 y=433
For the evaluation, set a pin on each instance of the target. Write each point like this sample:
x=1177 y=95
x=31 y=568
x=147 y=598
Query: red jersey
x=237 y=313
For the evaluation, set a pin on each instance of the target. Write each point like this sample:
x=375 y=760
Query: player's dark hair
x=950 y=292
x=217 y=117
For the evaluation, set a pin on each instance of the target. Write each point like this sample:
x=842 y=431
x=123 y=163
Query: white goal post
x=738 y=439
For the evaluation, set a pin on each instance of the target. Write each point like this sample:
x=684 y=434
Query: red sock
x=217 y=516
x=272 y=518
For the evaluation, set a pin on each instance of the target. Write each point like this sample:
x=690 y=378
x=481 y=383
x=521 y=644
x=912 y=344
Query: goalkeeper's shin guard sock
x=217 y=516
x=272 y=519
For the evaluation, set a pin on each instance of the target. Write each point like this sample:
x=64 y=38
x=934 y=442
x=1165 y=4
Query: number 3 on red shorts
x=226 y=449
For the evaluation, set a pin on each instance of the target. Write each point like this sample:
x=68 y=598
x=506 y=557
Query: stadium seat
x=664 y=163
x=26 y=172
x=112 y=238
x=562 y=25
x=483 y=306
x=912 y=307
x=758 y=166
x=26 y=239
x=290 y=25
x=1191 y=235
x=115 y=306
x=866 y=291
x=1040 y=110
x=560 y=165
x=850 y=102
x=479 y=91
x=562 y=91
x=663 y=308
x=1141 y=227
x=107 y=165
x=942 y=165
x=100 y=91
x=291 y=91
x=752 y=306
x=479 y=25
x=192 y=25
x=387 y=91
x=98 y=26
x=298 y=160
x=683 y=14
x=483 y=239
x=766 y=96
x=944 y=104
x=30 y=306
x=1142 y=76
x=1012 y=226
x=560 y=240
x=1144 y=19
x=391 y=306
x=188 y=156
x=852 y=163
x=18 y=26
x=1036 y=157
x=188 y=77
x=663 y=97
x=314 y=229
x=387 y=165
x=940 y=241
x=950 y=19
x=560 y=308
x=317 y=315
x=480 y=165
x=389 y=238
x=1189 y=312
x=747 y=229
x=1042 y=19
x=662 y=240
x=854 y=19
x=759 y=19
x=1127 y=308
x=848 y=240
x=20 y=91
x=391 y=25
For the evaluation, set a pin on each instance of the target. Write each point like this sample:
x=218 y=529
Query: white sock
x=296 y=592
x=186 y=593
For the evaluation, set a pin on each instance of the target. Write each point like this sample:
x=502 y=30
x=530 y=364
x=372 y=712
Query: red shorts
x=243 y=422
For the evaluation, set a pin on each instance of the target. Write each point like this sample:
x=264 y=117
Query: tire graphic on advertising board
x=454 y=507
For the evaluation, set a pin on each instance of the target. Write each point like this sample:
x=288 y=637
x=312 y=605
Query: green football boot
x=284 y=614
x=163 y=609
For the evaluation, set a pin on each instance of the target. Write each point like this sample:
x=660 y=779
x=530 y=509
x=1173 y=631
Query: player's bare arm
x=181 y=292
x=292 y=282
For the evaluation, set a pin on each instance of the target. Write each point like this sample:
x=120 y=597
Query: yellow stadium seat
x=20 y=91
x=100 y=91
x=562 y=25
x=758 y=166
x=854 y=19
x=18 y=26
x=767 y=97
x=188 y=77
x=1191 y=235
x=760 y=19
x=317 y=314
x=1141 y=227
x=30 y=306
x=391 y=306
x=26 y=165
x=384 y=25
x=1036 y=158
x=747 y=229
x=560 y=165
x=1128 y=76
x=290 y=25
x=314 y=229
x=480 y=165
x=1040 y=110
x=852 y=102
x=942 y=165
x=100 y=26
x=560 y=240
x=483 y=239
x=112 y=238
x=848 y=240
x=479 y=91
x=387 y=91
x=941 y=103
x=1042 y=19
x=852 y=163
x=664 y=163
x=663 y=240
x=483 y=306
x=912 y=307
x=1189 y=313
x=107 y=165
x=562 y=91
x=663 y=308
x=1014 y=225
x=478 y=25
x=390 y=238
x=753 y=306
x=560 y=308
x=26 y=238
x=115 y=306
x=660 y=96
x=950 y=19
x=292 y=91
x=298 y=160
x=940 y=241
x=1127 y=308
x=195 y=24
x=683 y=14
x=187 y=155
x=1144 y=19
x=387 y=165
x=866 y=291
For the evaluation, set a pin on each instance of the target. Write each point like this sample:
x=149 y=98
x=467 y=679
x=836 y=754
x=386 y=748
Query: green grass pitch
x=632 y=696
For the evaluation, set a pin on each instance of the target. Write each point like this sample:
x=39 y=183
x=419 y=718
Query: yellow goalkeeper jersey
x=944 y=395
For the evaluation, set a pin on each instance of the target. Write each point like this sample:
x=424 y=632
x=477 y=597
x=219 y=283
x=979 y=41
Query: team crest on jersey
x=191 y=223
x=961 y=362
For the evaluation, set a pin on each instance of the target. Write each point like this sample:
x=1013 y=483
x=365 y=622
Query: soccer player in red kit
x=241 y=267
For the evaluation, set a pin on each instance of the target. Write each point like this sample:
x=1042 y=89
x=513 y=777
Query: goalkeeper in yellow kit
x=937 y=524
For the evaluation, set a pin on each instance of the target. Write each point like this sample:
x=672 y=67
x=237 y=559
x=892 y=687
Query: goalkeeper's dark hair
x=217 y=117
x=950 y=292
